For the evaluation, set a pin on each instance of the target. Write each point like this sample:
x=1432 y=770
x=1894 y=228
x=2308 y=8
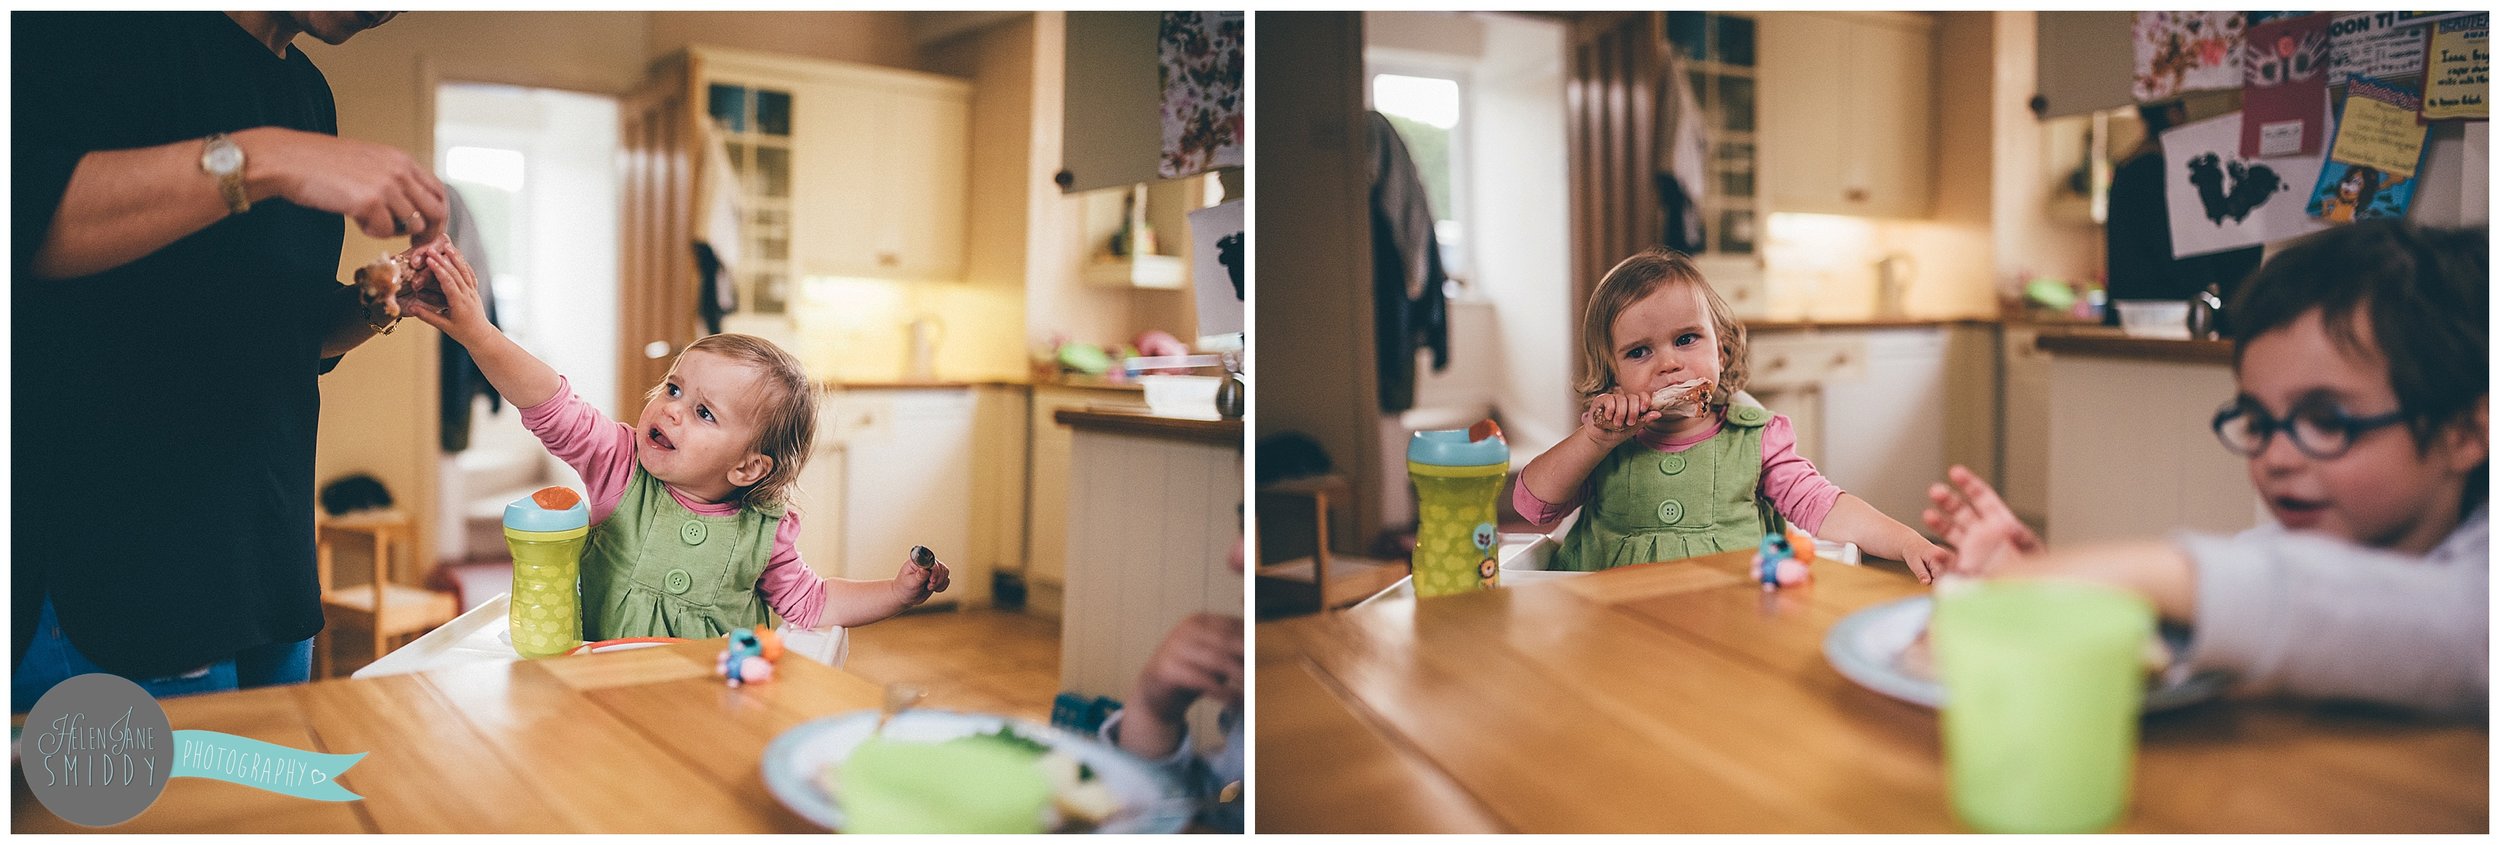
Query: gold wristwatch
x=222 y=158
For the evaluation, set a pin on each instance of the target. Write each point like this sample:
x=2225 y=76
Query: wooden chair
x=383 y=608
x=1322 y=580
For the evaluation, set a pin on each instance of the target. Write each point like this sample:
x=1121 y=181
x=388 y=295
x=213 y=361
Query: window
x=1427 y=113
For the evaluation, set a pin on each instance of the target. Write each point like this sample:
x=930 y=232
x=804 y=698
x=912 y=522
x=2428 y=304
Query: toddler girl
x=2364 y=364
x=1667 y=467
x=691 y=535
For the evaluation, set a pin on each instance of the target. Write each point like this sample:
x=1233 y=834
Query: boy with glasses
x=2363 y=360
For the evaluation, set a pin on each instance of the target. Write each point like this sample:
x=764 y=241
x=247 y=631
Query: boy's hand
x=445 y=294
x=1971 y=516
x=1200 y=658
x=1614 y=417
x=916 y=583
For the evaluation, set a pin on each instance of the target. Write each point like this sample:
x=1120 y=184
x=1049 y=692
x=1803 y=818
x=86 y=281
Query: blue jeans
x=51 y=659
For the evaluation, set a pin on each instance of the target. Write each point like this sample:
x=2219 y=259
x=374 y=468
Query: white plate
x=1866 y=647
x=1150 y=801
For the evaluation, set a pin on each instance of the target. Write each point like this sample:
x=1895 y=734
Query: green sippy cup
x=1458 y=475
x=546 y=531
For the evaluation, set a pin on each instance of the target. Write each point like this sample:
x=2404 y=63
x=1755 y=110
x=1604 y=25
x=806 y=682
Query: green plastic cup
x=546 y=615
x=2044 y=685
x=971 y=785
x=1458 y=490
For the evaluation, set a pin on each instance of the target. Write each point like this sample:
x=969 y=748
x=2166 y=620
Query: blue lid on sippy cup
x=1457 y=448
x=526 y=514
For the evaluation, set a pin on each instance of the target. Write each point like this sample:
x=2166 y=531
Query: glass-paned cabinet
x=755 y=122
x=1718 y=50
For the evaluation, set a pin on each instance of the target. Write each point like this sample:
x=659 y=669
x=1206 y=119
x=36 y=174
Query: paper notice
x=2378 y=129
x=2460 y=69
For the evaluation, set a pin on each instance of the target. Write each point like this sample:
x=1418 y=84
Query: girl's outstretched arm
x=1852 y=520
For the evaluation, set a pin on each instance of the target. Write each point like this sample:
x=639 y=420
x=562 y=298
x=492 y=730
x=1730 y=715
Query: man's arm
x=123 y=205
x=353 y=324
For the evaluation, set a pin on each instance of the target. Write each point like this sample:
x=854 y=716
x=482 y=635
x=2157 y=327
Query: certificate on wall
x=1203 y=110
x=2460 y=69
x=2221 y=200
x=1219 y=255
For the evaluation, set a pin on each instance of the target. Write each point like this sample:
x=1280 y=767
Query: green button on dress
x=1644 y=506
x=656 y=569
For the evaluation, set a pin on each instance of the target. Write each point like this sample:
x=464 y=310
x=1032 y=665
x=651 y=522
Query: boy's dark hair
x=2426 y=293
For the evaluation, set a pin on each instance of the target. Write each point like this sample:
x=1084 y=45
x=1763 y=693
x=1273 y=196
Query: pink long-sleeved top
x=1791 y=482
x=602 y=450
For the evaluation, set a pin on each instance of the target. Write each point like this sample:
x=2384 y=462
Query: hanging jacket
x=461 y=379
x=1409 y=307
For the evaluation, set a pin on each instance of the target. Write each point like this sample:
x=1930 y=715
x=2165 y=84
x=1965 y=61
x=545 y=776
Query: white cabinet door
x=1883 y=437
x=926 y=182
x=882 y=175
x=1848 y=113
x=835 y=135
x=906 y=479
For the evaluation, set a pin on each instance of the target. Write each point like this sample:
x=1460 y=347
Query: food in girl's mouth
x=1684 y=398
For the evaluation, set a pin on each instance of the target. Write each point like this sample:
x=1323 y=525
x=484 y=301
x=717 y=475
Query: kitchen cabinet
x=872 y=176
x=1153 y=509
x=1848 y=113
x=1113 y=129
x=2025 y=484
x=883 y=175
x=2131 y=451
x=1882 y=412
x=893 y=468
x=1046 y=517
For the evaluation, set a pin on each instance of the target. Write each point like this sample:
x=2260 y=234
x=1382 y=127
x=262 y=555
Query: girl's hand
x=1614 y=417
x=445 y=294
x=1970 y=515
x=1927 y=560
x=915 y=584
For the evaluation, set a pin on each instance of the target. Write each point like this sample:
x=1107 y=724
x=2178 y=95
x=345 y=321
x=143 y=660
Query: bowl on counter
x=1187 y=396
x=2160 y=318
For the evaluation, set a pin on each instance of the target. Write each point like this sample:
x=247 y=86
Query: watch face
x=222 y=158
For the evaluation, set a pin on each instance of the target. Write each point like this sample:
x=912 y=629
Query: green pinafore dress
x=656 y=569
x=1645 y=506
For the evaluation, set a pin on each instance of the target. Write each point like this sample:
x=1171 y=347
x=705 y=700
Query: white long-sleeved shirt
x=2310 y=615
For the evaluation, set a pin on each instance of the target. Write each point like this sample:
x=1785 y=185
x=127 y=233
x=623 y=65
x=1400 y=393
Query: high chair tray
x=478 y=636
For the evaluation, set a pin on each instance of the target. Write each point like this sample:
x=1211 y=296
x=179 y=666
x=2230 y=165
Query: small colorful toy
x=1782 y=558
x=749 y=657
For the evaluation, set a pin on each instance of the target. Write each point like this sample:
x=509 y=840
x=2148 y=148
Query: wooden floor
x=979 y=660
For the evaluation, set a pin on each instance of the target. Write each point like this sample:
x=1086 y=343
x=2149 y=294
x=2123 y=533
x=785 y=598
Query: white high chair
x=480 y=636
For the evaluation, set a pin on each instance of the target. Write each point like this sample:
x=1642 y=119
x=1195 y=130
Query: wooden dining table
x=644 y=741
x=1681 y=697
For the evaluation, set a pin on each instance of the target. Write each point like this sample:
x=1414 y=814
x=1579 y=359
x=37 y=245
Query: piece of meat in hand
x=1687 y=398
x=382 y=280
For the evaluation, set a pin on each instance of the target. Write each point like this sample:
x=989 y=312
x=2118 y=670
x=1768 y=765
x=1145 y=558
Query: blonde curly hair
x=1634 y=279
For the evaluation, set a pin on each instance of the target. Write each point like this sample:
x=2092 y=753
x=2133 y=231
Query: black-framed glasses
x=2320 y=430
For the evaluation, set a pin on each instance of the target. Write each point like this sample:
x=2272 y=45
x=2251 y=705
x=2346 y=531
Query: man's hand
x=379 y=188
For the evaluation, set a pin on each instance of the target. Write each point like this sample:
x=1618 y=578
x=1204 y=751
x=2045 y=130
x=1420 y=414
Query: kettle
x=926 y=332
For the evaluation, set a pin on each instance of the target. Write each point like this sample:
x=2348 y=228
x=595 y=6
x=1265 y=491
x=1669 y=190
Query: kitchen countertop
x=1135 y=420
x=2113 y=345
x=1760 y=326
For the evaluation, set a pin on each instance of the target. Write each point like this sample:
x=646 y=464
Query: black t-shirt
x=164 y=411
